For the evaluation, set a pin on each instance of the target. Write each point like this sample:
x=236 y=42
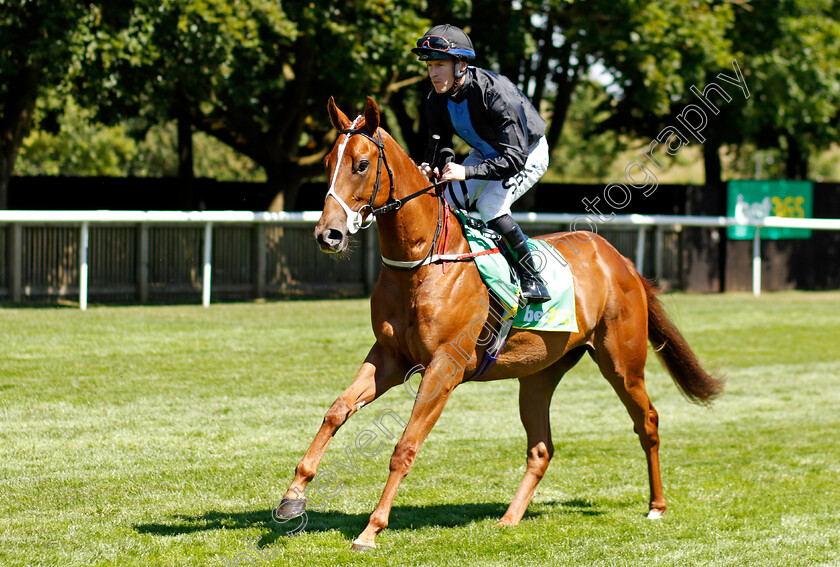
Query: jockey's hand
x=426 y=170
x=453 y=172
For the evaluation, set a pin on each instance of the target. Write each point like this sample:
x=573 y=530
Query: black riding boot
x=533 y=286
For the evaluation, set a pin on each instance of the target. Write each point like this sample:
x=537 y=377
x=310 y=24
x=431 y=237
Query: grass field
x=165 y=435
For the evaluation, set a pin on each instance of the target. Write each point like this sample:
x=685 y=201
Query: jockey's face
x=442 y=74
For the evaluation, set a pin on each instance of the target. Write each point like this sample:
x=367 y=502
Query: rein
x=355 y=219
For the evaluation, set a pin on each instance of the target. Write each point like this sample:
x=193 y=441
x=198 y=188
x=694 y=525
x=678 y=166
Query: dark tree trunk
x=422 y=90
x=715 y=193
x=494 y=33
x=285 y=180
x=440 y=12
x=185 y=148
x=185 y=161
x=796 y=165
x=276 y=181
x=18 y=108
x=566 y=78
x=416 y=141
x=541 y=74
x=711 y=161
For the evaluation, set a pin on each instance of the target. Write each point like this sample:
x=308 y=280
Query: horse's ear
x=339 y=119
x=371 y=116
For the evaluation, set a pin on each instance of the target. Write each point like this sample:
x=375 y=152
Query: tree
x=66 y=140
x=787 y=52
x=584 y=154
x=73 y=145
x=37 y=40
x=651 y=52
x=790 y=50
x=255 y=74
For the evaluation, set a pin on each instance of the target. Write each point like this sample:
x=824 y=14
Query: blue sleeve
x=509 y=122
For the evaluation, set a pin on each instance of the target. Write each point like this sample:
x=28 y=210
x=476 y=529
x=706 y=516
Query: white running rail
x=309 y=218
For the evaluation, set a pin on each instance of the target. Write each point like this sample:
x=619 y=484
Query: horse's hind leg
x=379 y=373
x=534 y=401
x=620 y=352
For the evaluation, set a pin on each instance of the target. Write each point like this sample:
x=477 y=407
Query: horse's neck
x=407 y=234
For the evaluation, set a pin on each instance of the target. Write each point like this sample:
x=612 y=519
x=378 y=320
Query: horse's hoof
x=361 y=547
x=654 y=515
x=289 y=508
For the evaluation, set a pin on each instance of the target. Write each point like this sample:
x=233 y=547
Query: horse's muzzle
x=331 y=240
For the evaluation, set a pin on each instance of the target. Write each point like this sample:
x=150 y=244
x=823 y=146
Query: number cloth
x=558 y=314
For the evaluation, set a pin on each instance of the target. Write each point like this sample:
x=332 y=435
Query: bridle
x=355 y=219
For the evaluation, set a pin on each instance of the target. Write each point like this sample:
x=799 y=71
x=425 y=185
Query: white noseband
x=354 y=218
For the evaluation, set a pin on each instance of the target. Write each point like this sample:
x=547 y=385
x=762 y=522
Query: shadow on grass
x=351 y=525
x=574 y=507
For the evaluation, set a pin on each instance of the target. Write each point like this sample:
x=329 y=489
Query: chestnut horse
x=421 y=313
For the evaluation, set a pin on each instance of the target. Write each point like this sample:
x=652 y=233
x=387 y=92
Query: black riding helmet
x=445 y=41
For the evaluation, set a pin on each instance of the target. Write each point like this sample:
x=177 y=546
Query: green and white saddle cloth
x=557 y=314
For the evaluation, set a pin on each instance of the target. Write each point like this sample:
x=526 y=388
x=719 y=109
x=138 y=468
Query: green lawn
x=165 y=435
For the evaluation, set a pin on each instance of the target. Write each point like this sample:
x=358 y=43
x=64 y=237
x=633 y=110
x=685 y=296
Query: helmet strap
x=458 y=76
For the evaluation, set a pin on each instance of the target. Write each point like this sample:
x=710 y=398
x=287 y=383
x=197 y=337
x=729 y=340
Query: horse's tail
x=698 y=385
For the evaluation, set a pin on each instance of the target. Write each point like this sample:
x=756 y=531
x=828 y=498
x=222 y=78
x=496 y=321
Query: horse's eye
x=363 y=165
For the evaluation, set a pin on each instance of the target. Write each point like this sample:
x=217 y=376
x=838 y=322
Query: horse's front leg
x=432 y=395
x=380 y=372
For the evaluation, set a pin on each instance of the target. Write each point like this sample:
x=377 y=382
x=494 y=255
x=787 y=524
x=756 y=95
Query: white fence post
x=640 y=250
x=83 y=267
x=658 y=253
x=756 y=263
x=143 y=263
x=208 y=264
x=16 y=252
x=258 y=272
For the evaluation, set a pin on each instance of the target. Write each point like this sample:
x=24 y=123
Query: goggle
x=435 y=42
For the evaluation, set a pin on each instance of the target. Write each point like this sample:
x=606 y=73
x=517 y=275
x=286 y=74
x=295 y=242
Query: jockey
x=506 y=132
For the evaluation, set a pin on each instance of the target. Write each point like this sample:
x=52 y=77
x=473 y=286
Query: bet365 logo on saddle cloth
x=557 y=314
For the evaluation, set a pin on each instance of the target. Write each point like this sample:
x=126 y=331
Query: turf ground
x=165 y=435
